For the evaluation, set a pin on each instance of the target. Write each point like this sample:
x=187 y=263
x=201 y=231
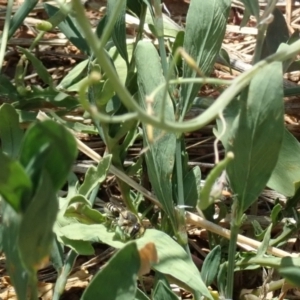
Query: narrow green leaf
x=256 y=136
x=69 y=28
x=36 y=233
x=74 y=75
x=15 y=185
x=161 y=146
x=10 y=132
x=119 y=31
x=275 y=213
x=287 y=169
x=262 y=249
x=95 y=175
x=211 y=265
x=163 y=292
x=212 y=189
x=205 y=28
x=117 y=280
x=38 y=65
x=20 y=15
x=253 y=7
x=63 y=149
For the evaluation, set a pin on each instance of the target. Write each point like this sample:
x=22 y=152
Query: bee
x=126 y=223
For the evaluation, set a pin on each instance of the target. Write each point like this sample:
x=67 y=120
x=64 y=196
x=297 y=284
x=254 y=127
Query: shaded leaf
x=211 y=265
x=15 y=185
x=16 y=270
x=191 y=186
x=10 y=132
x=117 y=280
x=287 y=169
x=38 y=65
x=36 y=233
x=277 y=33
x=163 y=292
x=59 y=158
x=8 y=90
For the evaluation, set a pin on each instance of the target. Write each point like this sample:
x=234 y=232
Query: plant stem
x=63 y=277
x=232 y=248
x=225 y=98
x=4 y=36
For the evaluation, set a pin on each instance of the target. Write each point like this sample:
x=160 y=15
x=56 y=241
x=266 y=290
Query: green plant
x=130 y=91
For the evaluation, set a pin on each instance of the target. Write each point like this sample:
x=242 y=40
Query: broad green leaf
x=191 y=186
x=287 y=169
x=117 y=280
x=163 y=292
x=63 y=149
x=94 y=233
x=173 y=261
x=10 y=132
x=36 y=233
x=119 y=30
x=8 y=90
x=74 y=75
x=256 y=136
x=38 y=65
x=211 y=265
x=80 y=208
x=205 y=28
x=95 y=175
x=160 y=154
x=69 y=28
x=253 y=7
x=15 y=185
x=16 y=270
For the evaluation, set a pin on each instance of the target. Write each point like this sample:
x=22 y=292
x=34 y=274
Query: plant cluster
x=138 y=91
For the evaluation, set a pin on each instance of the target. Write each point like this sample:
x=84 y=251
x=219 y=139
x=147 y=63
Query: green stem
x=63 y=277
x=232 y=250
x=231 y=261
x=188 y=126
x=4 y=37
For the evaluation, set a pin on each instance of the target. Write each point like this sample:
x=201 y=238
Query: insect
x=126 y=223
